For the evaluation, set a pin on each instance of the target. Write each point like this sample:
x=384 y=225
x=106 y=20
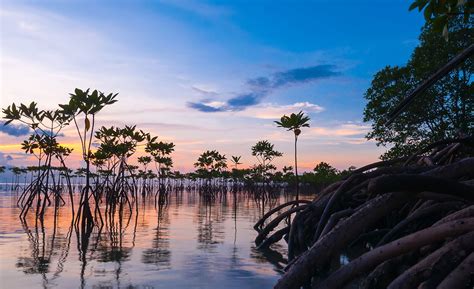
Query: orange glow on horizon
x=184 y=156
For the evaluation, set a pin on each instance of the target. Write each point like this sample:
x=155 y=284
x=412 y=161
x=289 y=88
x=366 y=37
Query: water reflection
x=44 y=247
x=186 y=241
x=159 y=254
x=210 y=226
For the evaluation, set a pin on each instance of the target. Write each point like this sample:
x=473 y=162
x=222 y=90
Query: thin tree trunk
x=296 y=169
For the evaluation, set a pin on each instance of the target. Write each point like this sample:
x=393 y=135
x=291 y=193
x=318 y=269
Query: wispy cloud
x=328 y=134
x=354 y=130
x=5 y=159
x=274 y=111
x=205 y=106
x=171 y=126
x=160 y=55
x=293 y=76
x=14 y=129
x=199 y=7
x=204 y=90
x=262 y=86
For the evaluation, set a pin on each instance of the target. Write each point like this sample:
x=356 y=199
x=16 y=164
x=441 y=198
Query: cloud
x=171 y=126
x=5 y=159
x=14 y=129
x=48 y=133
x=203 y=107
x=261 y=86
x=333 y=134
x=353 y=130
x=204 y=90
x=294 y=76
x=199 y=8
x=237 y=103
x=244 y=100
x=274 y=111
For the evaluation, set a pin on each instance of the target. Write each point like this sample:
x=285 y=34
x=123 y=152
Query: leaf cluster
x=439 y=13
x=160 y=152
x=81 y=101
x=210 y=162
x=46 y=121
x=118 y=142
x=294 y=122
x=445 y=110
x=265 y=152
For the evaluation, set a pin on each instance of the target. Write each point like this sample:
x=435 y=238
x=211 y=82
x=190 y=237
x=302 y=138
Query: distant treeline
x=322 y=174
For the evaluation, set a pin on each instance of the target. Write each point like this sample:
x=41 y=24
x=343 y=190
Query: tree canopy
x=439 y=13
x=294 y=122
x=445 y=110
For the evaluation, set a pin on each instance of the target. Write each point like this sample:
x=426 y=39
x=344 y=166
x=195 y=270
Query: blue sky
x=211 y=74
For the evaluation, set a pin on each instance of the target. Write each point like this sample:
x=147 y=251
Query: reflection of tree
x=269 y=256
x=83 y=234
x=216 y=222
x=234 y=256
x=44 y=247
x=266 y=202
x=110 y=246
x=111 y=243
x=160 y=254
x=210 y=231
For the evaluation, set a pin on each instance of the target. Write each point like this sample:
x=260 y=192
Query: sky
x=208 y=74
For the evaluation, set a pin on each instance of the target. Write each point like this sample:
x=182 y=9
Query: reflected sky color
x=187 y=244
x=209 y=74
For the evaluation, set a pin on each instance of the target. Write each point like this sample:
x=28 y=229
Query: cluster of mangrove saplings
x=114 y=174
x=403 y=223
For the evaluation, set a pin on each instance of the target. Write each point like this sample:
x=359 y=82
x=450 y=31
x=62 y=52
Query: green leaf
x=413 y=5
x=87 y=123
x=427 y=12
x=439 y=23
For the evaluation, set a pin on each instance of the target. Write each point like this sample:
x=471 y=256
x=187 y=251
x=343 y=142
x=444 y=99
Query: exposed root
x=393 y=221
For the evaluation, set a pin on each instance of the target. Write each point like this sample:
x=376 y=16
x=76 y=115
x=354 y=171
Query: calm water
x=187 y=244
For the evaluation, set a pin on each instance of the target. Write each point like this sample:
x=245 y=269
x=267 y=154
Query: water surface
x=187 y=244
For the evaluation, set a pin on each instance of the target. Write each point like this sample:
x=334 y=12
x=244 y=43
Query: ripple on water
x=186 y=245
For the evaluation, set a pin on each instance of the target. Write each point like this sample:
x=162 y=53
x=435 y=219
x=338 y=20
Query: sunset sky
x=208 y=74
